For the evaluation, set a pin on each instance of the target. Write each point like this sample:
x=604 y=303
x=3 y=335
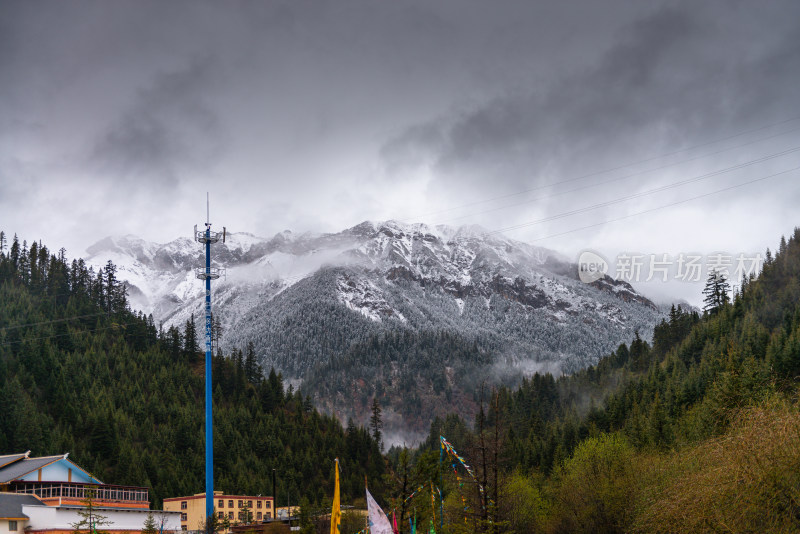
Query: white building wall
x=41 y=515
x=62 y=518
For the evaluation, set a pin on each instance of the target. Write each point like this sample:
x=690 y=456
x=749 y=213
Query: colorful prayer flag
x=378 y=522
x=336 y=511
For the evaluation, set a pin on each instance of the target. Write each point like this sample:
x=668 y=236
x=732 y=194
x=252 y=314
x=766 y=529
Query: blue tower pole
x=208 y=237
x=209 y=399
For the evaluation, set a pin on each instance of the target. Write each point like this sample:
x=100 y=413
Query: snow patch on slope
x=365 y=298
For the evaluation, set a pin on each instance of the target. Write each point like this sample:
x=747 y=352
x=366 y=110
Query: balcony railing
x=105 y=493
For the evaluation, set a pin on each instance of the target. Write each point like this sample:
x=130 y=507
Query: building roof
x=11 y=505
x=21 y=467
x=16 y=466
x=11 y=458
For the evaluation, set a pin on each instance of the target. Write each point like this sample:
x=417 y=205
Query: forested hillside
x=82 y=373
x=413 y=376
x=697 y=432
x=411 y=314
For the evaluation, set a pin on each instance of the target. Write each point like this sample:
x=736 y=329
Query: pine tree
x=90 y=519
x=24 y=263
x=210 y=525
x=34 y=275
x=216 y=330
x=245 y=515
x=115 y=291
x=305 y=520
x=224 y=523
x=251 y=370
x=190 y=346
x=716 y=292
x=149 y=526
x=375 y=422
x=639 y=353
x=14 y=253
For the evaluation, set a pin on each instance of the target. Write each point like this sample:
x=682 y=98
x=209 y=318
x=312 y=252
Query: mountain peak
x=305 y=300
x=125 y=245
x=442 y=232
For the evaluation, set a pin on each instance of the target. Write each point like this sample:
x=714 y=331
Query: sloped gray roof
x=11 y=458
x=20 y=468
x=11 y=504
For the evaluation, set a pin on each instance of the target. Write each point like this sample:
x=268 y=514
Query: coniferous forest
x=694 y=430
x=82 y=373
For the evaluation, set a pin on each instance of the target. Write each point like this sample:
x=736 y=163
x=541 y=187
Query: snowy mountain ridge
x=307 y=300
x=160 y=275
x=465 y=262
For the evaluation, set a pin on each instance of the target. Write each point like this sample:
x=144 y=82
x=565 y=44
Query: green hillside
x=697 y=432
x=81 y=373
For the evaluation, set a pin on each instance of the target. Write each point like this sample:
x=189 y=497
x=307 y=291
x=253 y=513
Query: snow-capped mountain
x=307 y=301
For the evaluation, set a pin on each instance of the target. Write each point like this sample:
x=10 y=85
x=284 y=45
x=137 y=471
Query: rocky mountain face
x=418 y=316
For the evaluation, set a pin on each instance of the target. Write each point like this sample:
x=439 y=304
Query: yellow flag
x=336 y=511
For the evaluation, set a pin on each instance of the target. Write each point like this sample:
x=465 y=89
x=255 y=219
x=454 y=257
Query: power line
x=523 y=225
x=14 y=327
x=632 y=164
x=620 y=178
x=113 y=325
x=663 y=188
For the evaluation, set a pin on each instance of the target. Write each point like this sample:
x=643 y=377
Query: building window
x=258 y=504
x=268 y=515
x=240 y=504
x=250 y=504
x=220 y=514
x=258 y=516
x=230 y=503
x=230 y=515
x=183 y=517
x=12 y=525
x=183 y=527
x=221 y=503
x=183 y=505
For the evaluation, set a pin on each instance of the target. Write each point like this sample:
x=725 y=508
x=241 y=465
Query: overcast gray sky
x=117 y=116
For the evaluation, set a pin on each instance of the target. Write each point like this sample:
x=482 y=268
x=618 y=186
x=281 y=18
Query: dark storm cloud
x=679 y=75
x=167 y=130
x=316 y=115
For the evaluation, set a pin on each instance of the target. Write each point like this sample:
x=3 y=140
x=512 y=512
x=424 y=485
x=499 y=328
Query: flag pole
x=336 y=509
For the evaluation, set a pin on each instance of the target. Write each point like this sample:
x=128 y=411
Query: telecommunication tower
x=208 y=237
